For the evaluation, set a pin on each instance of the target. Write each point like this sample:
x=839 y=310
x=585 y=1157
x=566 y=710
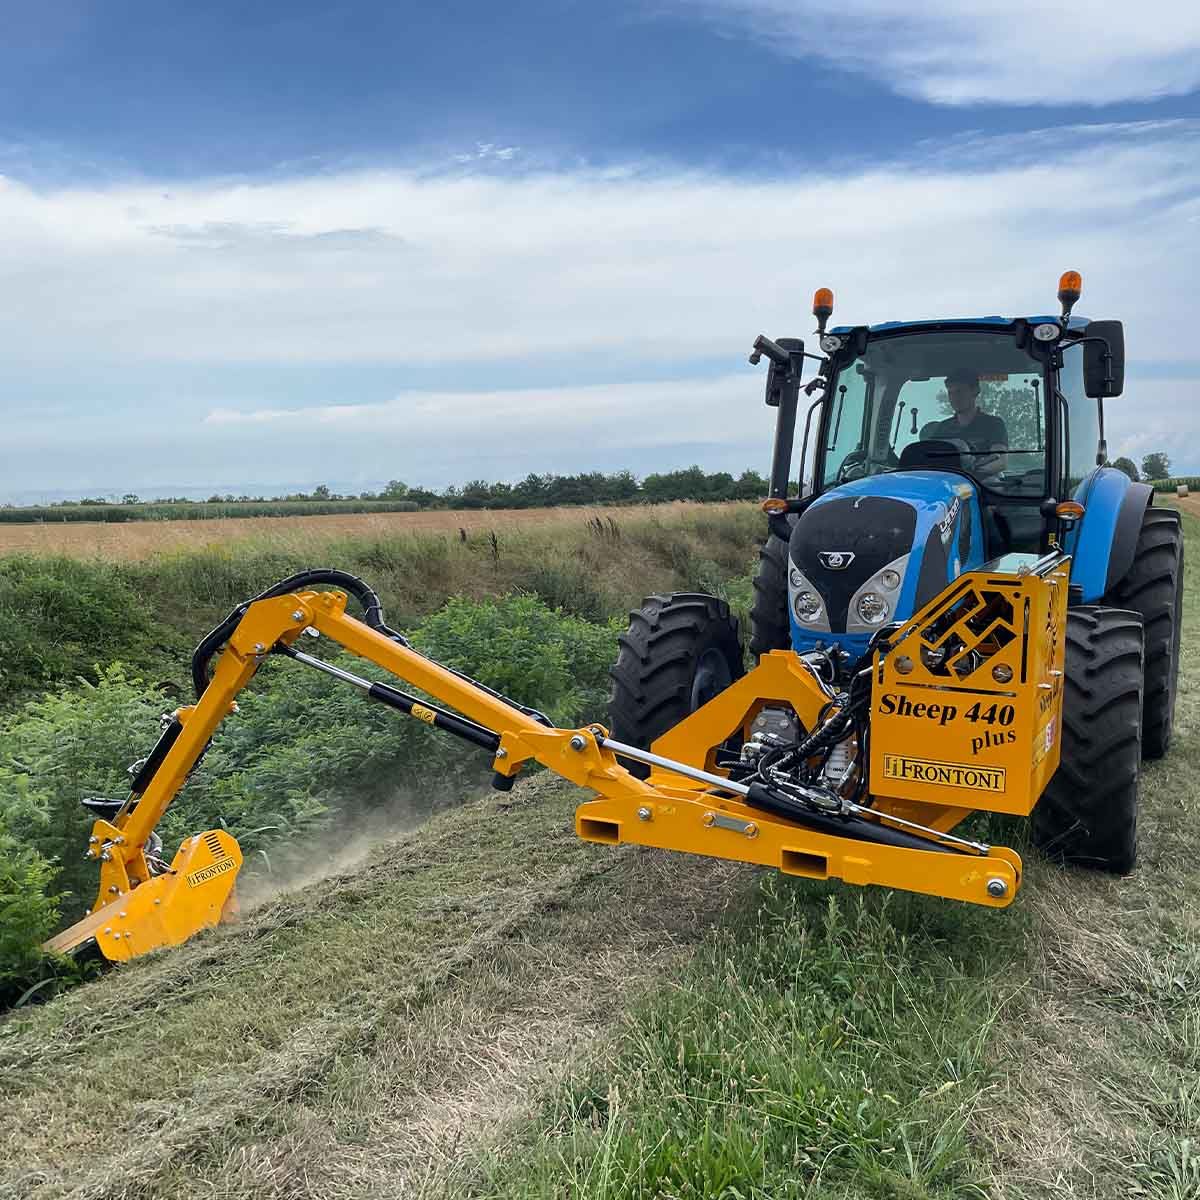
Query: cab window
x=1081 y=424
x=971 y=397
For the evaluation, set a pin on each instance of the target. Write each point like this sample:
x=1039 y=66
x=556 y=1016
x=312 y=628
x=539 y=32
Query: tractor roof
x=889 y=326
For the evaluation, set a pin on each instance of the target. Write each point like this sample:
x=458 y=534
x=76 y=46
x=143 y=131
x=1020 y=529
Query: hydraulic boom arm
x=685 y=803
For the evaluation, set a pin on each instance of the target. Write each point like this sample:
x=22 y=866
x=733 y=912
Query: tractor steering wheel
x=858 y=463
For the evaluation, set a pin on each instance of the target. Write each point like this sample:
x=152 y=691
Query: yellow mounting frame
x=136 y=910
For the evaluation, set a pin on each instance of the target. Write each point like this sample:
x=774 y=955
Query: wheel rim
x=712 y=676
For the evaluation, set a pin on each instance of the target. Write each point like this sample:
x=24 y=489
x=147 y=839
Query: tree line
x=534 y=491
x=1154 y=466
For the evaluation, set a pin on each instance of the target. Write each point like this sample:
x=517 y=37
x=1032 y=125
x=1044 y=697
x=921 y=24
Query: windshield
x=962 y=400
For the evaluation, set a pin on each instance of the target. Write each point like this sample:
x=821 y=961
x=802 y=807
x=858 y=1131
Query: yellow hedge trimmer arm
x=684 y=805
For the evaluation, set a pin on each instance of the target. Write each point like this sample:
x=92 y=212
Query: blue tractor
x=931 y=449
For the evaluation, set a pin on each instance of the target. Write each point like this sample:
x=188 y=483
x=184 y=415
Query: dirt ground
x=141 y=539
x=1189 y=503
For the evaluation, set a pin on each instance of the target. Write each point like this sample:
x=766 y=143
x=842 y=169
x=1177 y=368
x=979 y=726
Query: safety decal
x=424 y=714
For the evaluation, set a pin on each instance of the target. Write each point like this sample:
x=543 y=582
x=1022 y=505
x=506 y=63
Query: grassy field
x=62 y=615
x=488 y=1008
x=142 y=539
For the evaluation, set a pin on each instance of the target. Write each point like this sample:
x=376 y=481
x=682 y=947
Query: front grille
x=877 y=530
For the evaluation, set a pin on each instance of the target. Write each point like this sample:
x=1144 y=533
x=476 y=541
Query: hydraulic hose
x=372 y=616
x=218 y=636
x=762 y=796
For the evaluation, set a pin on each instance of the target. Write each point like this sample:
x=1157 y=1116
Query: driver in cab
x=985 y=435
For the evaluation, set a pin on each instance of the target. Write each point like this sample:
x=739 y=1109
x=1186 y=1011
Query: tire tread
x=1088 y=813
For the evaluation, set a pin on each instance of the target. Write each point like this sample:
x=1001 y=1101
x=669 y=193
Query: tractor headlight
x=807 y=605
x=806 y=602
x=873 y=609
x=878 y=598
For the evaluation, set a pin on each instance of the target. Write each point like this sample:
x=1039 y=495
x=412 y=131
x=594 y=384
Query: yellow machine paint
x=966 y=701
x=966 y=707
x=165 y=910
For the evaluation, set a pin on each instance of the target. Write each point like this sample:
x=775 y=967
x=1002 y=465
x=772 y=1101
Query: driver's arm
x=987 y=467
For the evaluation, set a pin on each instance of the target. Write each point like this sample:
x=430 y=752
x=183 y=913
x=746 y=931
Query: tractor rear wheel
x=770 y=628
x=1153 y=588
x=678 y=653
x=1088 y=813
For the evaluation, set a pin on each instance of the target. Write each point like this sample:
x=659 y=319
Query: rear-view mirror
x=1101 y=379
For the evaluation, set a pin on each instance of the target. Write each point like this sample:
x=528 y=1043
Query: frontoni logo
x=835 y=560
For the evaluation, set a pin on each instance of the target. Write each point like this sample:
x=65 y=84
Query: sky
x=260 y=247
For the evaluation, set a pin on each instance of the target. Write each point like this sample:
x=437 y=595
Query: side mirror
x=1101 y=379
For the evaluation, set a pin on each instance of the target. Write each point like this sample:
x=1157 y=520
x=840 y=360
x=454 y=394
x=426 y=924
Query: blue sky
x=245 y=246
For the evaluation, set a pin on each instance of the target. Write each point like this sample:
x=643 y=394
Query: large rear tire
x=770 y=628
x=1153 y=588
x=678 y=653
x=1088 y=813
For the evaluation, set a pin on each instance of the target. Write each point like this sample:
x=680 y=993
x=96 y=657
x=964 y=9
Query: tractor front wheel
x=770 y=628
x=678 y=653
x=1088 y=813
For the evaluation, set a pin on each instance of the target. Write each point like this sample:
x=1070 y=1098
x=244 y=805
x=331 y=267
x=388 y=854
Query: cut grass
x=343 y=1034
x=824 y=1043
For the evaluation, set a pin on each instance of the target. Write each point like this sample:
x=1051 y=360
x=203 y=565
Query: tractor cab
x=931 y=448
x=966 y=401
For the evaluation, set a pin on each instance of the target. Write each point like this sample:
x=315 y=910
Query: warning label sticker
x=945 y=774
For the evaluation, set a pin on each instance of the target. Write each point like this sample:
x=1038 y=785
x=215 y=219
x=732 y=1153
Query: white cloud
x=388 y=266
x=543 y=276
x=606 y=414
x=986 y=51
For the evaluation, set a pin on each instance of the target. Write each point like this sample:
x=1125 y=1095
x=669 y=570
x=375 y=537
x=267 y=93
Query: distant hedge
x=207 y=510
x=1169 y=485
x=534 y=491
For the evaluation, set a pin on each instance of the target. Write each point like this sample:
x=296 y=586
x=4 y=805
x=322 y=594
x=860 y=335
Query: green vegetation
x=302 y=757
x=521 y=647
x=60 y=617
x=133 y=509
x=1127 y=466
x=820 y=1043
x=534 y=491
x=28 y=913
x=1169 y=485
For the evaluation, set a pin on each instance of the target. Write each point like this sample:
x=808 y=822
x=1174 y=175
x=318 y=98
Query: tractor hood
x=876 y=550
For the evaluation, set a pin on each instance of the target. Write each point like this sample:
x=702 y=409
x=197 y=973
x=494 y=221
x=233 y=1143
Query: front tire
x=680 y=650
x=1088 y=813
x=770 y=628
x=1153 y=588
